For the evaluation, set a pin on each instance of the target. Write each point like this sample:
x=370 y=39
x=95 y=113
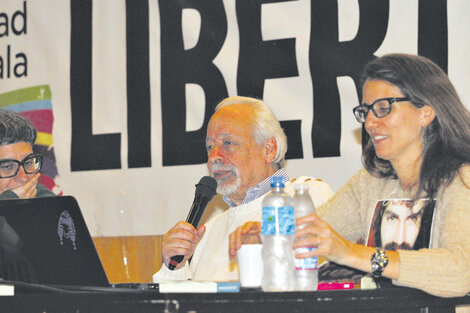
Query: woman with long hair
x=418 y=147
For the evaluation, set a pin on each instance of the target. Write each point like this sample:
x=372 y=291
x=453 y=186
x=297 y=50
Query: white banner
x=132 y=84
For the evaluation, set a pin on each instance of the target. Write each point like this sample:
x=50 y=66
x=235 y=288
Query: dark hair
x=446 y=141
x=377 y=225
x=15 y=128
x=423 y=239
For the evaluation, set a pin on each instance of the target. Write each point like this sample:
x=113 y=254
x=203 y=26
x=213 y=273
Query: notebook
x=46 y=241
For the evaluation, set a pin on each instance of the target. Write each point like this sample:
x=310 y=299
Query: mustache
x=394 y=246
x=223 y=167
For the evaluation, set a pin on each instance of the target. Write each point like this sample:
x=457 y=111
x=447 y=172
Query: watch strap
x=379 y=261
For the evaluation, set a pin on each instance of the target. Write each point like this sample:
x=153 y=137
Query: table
x=382 y=300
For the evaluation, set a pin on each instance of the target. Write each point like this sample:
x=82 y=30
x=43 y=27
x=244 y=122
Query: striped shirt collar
x=257 y=191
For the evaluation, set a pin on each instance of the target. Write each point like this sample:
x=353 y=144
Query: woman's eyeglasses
x=380 y=107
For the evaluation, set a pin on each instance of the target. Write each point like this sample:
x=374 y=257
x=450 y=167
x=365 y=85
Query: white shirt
x=211 y=259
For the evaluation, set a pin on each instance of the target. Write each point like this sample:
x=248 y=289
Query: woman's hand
x=317 y=233
x=336 y=248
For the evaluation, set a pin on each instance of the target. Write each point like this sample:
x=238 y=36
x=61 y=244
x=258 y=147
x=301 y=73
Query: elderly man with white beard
x=246 y=147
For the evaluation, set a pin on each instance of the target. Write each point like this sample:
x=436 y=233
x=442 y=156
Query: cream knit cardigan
x=444 y=269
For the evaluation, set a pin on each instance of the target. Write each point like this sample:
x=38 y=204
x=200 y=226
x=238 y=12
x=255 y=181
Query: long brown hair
x=446 y=141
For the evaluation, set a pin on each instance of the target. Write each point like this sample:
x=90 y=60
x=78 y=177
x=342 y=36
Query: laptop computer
x=46 y=241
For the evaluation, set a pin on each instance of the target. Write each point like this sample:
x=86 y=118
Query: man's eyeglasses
x=381 y=108
x=31 y=164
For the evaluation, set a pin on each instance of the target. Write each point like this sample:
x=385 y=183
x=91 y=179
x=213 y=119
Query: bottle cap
x=277 y=181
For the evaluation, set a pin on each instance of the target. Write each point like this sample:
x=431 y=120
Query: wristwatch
x=379 y=261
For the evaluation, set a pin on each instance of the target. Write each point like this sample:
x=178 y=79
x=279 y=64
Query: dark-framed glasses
x=381 y=108
x=31 y=164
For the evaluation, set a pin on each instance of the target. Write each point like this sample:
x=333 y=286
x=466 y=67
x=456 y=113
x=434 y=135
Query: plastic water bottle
x=306 y=270
x=278 y=231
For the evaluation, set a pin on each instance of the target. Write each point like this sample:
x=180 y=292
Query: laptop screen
x=46 y=241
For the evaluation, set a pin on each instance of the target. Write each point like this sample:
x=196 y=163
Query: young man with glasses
x=19 y=165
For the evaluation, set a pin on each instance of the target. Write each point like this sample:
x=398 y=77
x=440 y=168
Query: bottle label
x=278 y=221
x=308 y=263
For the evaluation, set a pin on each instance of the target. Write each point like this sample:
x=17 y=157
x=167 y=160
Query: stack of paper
x=192 y=286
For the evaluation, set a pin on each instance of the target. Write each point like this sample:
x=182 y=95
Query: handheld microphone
x=205 y=191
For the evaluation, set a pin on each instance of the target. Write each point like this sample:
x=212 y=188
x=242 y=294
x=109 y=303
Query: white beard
x=223 y=188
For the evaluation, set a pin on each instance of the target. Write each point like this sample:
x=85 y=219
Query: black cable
x=138 y=288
